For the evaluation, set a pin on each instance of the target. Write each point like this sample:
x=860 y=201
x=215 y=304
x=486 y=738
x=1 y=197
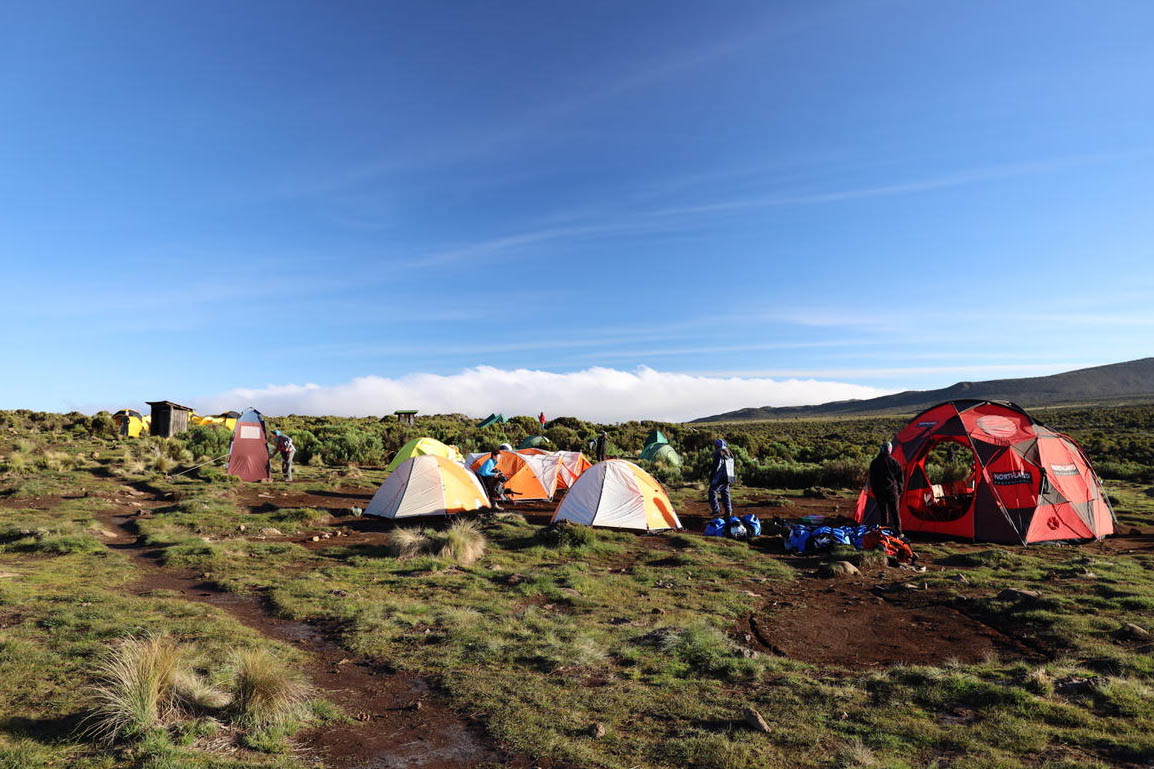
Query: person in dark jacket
x=720 y=476
x=286 y=449
x=602 y=445
x=886 y=483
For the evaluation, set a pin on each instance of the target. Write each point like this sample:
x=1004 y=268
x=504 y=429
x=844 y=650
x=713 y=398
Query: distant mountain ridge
x=1131 y=381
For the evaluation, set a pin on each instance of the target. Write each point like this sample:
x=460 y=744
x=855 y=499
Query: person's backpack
x=752 y=523
x=286 y=445
x=715 y=527
x=730 y=470
x=735 y=529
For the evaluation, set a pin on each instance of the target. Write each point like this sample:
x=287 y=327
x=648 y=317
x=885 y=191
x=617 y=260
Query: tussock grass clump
x=163 y=464
x=133 y=693
x=854 y=754
x=408 y=543
x=462 y=543
x=566 y=534
x=197 y=693
x=268 y=694
x=16 y=462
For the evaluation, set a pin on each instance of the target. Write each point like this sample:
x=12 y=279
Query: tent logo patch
x=1012 y=478
x=926 y=424
x=1064 y=469
x=997 y=426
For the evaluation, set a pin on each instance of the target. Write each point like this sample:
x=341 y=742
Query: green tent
x=661 y=452
x=493 y=419
x=656 y=437
x=533 y=442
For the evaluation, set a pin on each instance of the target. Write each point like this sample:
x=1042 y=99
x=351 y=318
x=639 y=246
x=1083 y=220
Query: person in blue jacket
x=490 y=476
x=720 y=476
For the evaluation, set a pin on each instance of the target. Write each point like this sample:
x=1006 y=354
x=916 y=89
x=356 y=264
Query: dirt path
x=400 y=721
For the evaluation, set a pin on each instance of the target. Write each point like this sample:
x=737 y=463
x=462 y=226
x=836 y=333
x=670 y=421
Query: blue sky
x=524 y=203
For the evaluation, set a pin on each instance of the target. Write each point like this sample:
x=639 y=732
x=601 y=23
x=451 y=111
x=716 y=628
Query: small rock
x=1137 y=632
x=269 y=531
x=749 y=654
x=1073 y=685
x=356 y=512
x=841 y=569
x=315 y=539
x=958 y=578
x=909 y=586
x=754 y=720
x=597 y=730
x=242 y=527
x=1022 y=596
x=514 y=579
x=339 y=593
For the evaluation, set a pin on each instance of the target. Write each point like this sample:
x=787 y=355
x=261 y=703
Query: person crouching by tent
x=490 y=476
x=286 y=449
x=720 y=476
x=886 y=483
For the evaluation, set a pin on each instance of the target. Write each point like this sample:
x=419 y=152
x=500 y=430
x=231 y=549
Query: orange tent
x=524 y=482
x=573 y=463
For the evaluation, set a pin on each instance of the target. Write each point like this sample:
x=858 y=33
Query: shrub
x=134 y=688
x=268 y=692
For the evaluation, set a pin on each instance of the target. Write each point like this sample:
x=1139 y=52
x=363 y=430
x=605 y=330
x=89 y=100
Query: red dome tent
x=248 y=453
x=1027 y=483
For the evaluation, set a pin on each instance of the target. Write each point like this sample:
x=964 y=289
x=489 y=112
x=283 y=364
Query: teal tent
x=533 y=442
x=493 y=419
x=656 y=437
x=661 y=452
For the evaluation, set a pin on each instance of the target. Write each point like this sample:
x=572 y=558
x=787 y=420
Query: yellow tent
x=226 y=420
x=131 y=423
x=427 y=485
x=421 y=447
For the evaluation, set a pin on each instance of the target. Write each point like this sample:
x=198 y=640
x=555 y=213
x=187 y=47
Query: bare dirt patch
x=871 y=623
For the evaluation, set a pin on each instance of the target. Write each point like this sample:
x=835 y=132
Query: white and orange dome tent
x=427 y=485
x=524 y=478
x=573 y=464
x=618 y=494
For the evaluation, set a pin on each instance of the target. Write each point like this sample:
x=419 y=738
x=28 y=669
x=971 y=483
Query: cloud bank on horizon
x=598 y=394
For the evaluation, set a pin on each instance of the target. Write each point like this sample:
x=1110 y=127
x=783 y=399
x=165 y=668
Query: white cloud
x=600 y=394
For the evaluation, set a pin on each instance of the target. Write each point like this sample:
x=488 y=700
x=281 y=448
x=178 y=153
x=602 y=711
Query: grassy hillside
x=1131 y=382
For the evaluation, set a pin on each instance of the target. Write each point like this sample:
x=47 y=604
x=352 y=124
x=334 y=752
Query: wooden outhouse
x=169 y=418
